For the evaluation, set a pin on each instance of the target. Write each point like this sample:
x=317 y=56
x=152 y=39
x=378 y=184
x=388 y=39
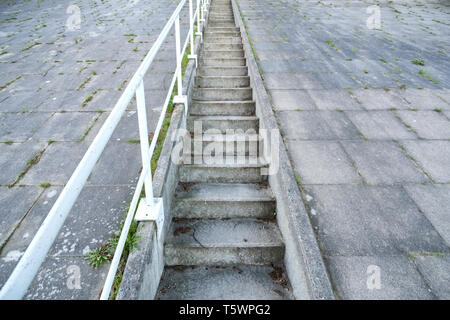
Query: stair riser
x=221 y=24
x=223 y=62
x=220 y=7
x=229 y=29
x=210 y=94
x=224 y=34
x=223 y=46
x=235 y=109
x=224 y=125
x=228 y=40
x=222 y=54
x=223 y=209
x=221 y=17
x=241 y=147
x=221 y=174
x=222 y=256
x=223 y=71
x=219 y=82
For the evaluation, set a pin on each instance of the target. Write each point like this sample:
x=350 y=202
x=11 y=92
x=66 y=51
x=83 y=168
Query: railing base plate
x=151 y=212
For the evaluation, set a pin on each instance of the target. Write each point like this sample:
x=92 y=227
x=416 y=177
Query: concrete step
x=224 y=283
x=222 y=172
x=223 y=242
x=230 y=40
x=232 y=94
x=225 y=108
x=222 y=46
x=218 y=201
x=222 y=71
x=219 y=8
x=219 y=17
x=223 y=62
x=222 y=82
x=209 y=34
x=223 y=29
x=216 y=24
x=222 y=54
x=231 y=144
x=223 y=123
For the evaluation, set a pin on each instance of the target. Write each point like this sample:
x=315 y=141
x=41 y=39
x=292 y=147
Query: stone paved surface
x=57 y=87
x=368 y=134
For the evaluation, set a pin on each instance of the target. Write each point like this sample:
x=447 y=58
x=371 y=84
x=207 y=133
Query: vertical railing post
x=199 y=23
x=150 y=208
x=202 y=18
x=143 y=135
x=179 y=98
x=191 y=33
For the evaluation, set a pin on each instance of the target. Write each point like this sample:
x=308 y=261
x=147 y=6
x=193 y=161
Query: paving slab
x=434 y=201
x=427 y=124
x=379 y=99
x=291 y=81
x=36 y=214
x=380 y=125
x=95 y=217
x=356 y=220
x=291 y=100
x=383 y=162
x=334 y=100
x=322 y=162
x=56 y=164
x=436 y=272
x=433 y=156
x=119 y=165
x=16 y=202
x=67 y=278
x=424 y=99
x=14 y=158
x=20 y=126
x=70 y=126
x=398 y=278
x=316 y=125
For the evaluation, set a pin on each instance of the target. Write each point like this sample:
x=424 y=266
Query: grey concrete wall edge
x=144 y=265
x=304 y=263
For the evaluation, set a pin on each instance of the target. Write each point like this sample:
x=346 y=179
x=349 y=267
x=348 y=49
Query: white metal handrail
x=28 y=266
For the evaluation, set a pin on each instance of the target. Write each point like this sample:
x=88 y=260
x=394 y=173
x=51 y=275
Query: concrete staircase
x=224 y=241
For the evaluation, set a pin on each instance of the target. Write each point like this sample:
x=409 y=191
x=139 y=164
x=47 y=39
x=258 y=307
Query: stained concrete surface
x=364 y=114
x=57 y=87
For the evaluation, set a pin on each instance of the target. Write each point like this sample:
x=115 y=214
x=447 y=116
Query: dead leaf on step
x=181 y=230
x=179 y=267
x=277 y=276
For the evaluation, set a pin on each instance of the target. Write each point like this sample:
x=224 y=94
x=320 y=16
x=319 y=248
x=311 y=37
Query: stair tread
x=227 y=67
x=225 y=192
x=231 y=233
x=223 y=283
x=225 y=77
x=223 y=101
x=206 y=51
x=216 y=162
x=209 y=137
x=220 y=117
